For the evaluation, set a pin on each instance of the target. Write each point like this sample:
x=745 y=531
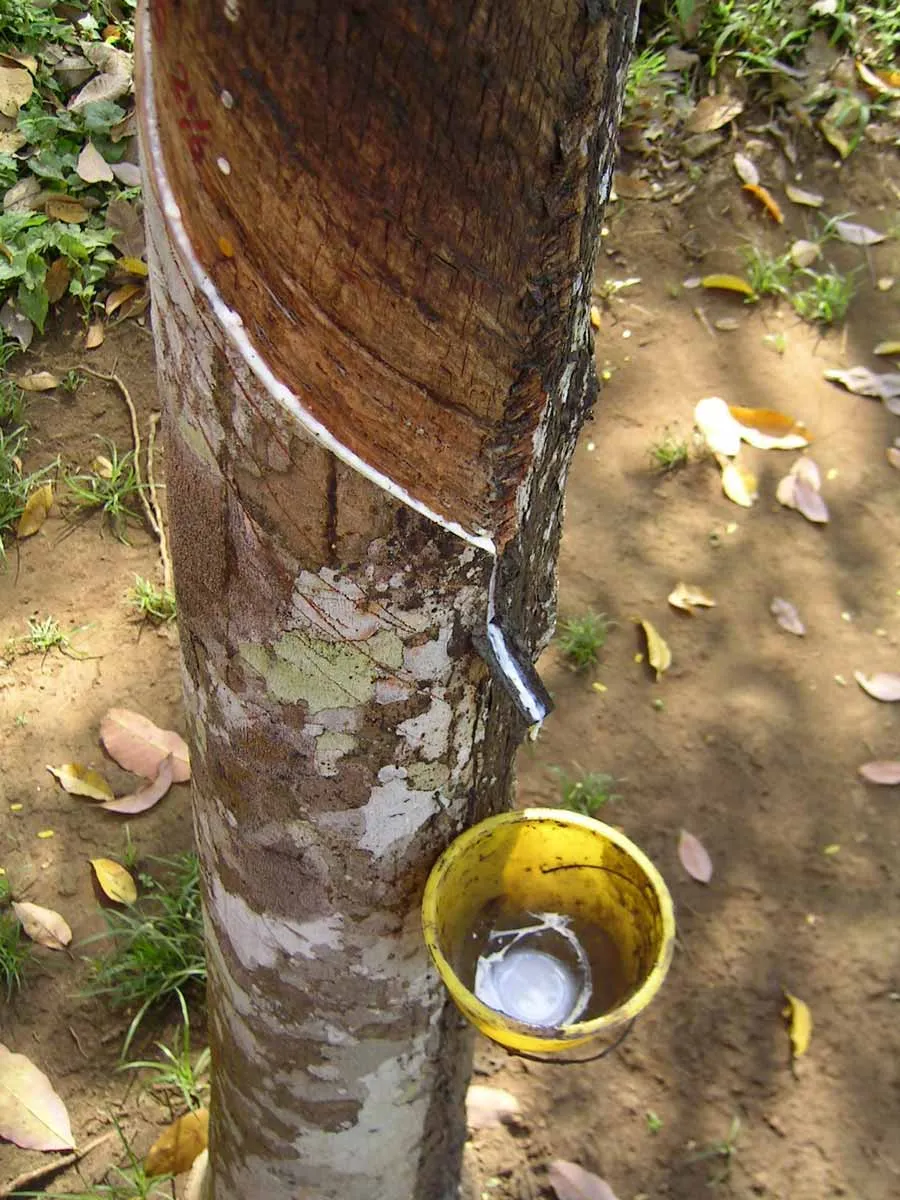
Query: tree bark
x=371 y=231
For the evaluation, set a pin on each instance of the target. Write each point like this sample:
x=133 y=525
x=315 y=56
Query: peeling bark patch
x=429 y=733
x=323 y=674
x=330 y=749
x=261 y=940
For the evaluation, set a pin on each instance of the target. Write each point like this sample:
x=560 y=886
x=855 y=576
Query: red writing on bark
x=196 y=127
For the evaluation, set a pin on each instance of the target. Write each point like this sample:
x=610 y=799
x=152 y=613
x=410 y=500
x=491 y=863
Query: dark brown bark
x=400 y=202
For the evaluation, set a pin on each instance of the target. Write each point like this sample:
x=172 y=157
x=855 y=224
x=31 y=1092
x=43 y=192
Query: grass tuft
x=586 y=793
x=582 y=638
x=112 y=487
x=670 y=452
x=152 y=603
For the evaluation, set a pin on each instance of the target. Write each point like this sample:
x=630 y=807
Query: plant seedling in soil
x=12 y=405
x=587 y=793
x=670 y=452
x=71 y=381
x=44 y=636
x=582 y=638
x=725 y=1151
x=827 y=297
x=177 y=1072
x=768 y=276
x=152 y=603
x=158 y=949
x=15 y=949
x=654 y=1121
x=644 y=71
x=112 y=488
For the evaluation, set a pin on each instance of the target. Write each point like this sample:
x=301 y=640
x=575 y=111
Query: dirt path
x=751 y=741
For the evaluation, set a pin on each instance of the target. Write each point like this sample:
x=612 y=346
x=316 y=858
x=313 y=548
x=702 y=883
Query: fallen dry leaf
x=16 y=87
x=127 y=173
x=767 y=429
x=712 y=112
x=66 y=208
x=82 y=781
x=881 y=771
x=799 y=196
x=728 y=283
x=94 y=336
x=880 y=81
x=804 y=253
x=889 y=347
x=487 y=1106
x=688 y=597
x=863 y=382
x=31 y=1113
x=800 y=1024
x=571 y=1182
x=43 y=925
x=720 y=430
x=658 y=651
x=799 y=489
x=121 y=295
x=694 y=857
x=884 y=686
x=858 y=235
x=767 y=200
x=114 y=80
x=36 y=510
x=195 y=1186
x=57 y=280
x=787 y=616
x=147 y=796
x=746 y=169
x=739 y=484
x=140 y=746
x=38 y=381
x=114 y=880
x=92 y=167
x=176 y=1148
x=893 y=456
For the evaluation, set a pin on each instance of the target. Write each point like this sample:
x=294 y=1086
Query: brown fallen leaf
x=116 y=68
x=147 y=796
x=82 y=781
x=694 y=857
x=36 y=510
x=712 y=112
x=858 y=235
x=881 y=771
x=688 y=598
x=43 y=925
x=92 y=167
x=16 y=87
x=127 y=173
x=863 y=382
x=38 y=381
x=884 y=686
x=140 y=746
x=57 y=280
x=787 y=616
x=114 y=880
x=658 y=652
x=488 y=1106
x=66 y=208
x=121 y=295
x=31 y=1113
x=175 y=1149
x=94 y=336
x=800 y=1024
x=893 y=456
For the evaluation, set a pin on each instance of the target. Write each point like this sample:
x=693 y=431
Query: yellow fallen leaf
x=800 y=1027
x=887 y=348
x=767 y=200
x=115 y=881
x=688 y=597
x=595 y=316
x=770 y=430
x=82 y=781
x=739 y=484
x=134 y=266
x=45 y=833
x=16 y=807
x=657 y=649
x=176 y=1148
x=599 y=687
x=38 y=381
x=121 y=295
x=832 y=848
x=728 y=283
x=34 y=514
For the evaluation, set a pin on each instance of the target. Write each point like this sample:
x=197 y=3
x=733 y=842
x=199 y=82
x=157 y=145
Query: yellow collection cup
x=548 y=860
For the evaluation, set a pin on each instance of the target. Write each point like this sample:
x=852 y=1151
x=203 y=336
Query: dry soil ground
x=751 y=740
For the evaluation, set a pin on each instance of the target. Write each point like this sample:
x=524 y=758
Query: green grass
x=44 y=636
x=644 y=72
x=178 y=1070
x=71 y=381
x=586 y=793
x=152 y=603
x=826 y=297
x=722 y=1153
x=582 y=638
x=670 y=452
x=112 y=488
x=157 y=950
x=767 y=274
x=15 y=948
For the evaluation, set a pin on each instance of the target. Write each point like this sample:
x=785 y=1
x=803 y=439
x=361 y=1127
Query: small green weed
x=654 y=1121
x=767 y=275
x=151 y=602
x=157 y=944
x=178 y=1072
x=112 y=488
x=586 y=793
x=826 y=298
x=46 y=635
x=12 y=405
x=15 y=949
x=582 y=638
x=644 y=71
x=725 y=1151
x=71 y=381
x=670 y=452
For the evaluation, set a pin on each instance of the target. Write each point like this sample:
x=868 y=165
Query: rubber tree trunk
x=372 y=229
